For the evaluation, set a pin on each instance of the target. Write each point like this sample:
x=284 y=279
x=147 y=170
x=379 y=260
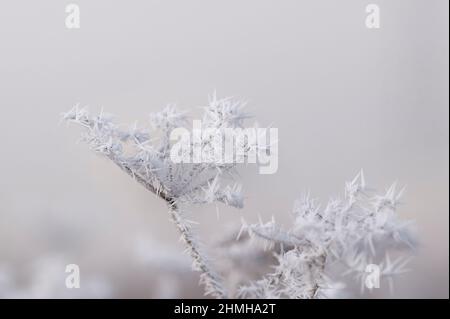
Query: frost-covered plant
x=144 y=154
x=353 y=232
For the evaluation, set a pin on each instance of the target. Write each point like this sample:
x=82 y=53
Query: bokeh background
x=343 y=97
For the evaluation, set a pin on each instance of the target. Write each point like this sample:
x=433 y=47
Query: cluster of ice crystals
x=355 y=231
x=145 y=153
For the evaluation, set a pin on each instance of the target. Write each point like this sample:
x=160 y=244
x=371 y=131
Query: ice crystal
x=351 y=231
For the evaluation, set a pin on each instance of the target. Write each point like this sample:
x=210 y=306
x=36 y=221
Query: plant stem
x=211 y=280
x=316 y=275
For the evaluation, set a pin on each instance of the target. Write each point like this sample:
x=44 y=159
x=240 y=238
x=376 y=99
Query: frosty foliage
x=353 y=231
x=144 y=154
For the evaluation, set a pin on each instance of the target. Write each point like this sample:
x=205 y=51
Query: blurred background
x=343 y=97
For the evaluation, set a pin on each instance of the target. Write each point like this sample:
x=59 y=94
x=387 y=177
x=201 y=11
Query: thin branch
x=211 y=281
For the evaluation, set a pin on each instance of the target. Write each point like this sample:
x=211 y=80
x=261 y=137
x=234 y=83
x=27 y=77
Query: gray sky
x=342 y=96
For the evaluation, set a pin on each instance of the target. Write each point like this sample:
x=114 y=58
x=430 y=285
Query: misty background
x=343 y=97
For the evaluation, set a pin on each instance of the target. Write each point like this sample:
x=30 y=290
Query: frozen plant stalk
x=353 y=232
x=144 y=154
x=358 y=230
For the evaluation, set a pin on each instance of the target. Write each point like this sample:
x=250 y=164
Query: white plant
x=352 y=231
x=145 y=156
x=355 y=226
